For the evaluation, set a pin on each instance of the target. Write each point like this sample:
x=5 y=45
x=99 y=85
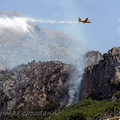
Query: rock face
x=92 y=58
x=36 y=84
x=39 y=83
x=103 y=79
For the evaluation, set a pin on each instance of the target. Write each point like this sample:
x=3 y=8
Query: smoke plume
x=75 y=80
x=15 y=24
x=51 y=21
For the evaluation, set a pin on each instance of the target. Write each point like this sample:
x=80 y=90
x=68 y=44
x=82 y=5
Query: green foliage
x=117 y=94
x=77 y=116
x=87 y=109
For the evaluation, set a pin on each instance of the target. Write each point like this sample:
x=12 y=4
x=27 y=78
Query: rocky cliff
x=36 y=83
x=92 y=58
x=103 y=79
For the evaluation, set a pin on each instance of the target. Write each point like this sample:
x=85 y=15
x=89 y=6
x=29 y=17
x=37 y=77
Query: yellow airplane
x=84 y=21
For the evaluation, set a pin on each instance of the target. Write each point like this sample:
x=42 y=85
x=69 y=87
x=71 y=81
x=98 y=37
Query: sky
x=101 y=34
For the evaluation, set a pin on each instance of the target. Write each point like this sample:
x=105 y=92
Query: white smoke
x=19 y=25
x=15 y=25
x=75 y=80
x=51 y=21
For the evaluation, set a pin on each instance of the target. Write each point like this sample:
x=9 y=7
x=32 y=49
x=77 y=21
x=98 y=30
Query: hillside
x=36 y=84
x=21 y=42
x=88 y=109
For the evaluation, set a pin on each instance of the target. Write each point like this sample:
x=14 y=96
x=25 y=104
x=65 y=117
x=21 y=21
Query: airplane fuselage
x=84 y=21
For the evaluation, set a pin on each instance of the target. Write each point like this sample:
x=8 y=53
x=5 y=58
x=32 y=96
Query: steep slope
x=88 y=109
x=103 y=79
x=38 y=83
x=35 y=84
x=92 y=58
x=41 y=45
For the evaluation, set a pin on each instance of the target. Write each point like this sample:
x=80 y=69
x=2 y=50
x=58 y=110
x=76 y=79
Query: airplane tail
x=79 y=19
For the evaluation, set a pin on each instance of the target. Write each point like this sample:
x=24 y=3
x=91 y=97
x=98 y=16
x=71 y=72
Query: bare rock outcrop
x=36 y=83
x=92 y=58
x=103 y=79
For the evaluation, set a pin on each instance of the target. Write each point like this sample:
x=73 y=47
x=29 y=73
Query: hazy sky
x=102 y=34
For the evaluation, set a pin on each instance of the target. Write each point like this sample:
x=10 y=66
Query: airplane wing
x=86 y=19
